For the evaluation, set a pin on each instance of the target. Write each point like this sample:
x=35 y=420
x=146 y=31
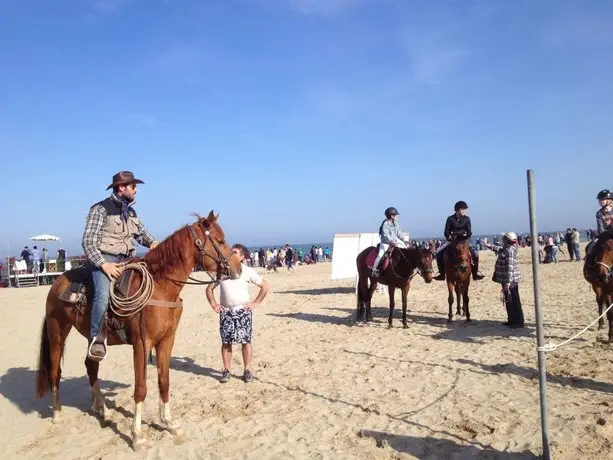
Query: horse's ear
x=211 y=217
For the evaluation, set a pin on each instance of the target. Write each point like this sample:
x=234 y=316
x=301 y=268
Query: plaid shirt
x=507 y=264
x=92 y=236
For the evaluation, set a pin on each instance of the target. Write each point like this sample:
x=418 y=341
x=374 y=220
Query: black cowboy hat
x=124 y=178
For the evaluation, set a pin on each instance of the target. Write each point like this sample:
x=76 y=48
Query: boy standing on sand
x=235 y=313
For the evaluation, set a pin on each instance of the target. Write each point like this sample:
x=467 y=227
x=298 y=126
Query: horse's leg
x=600 y=301
x=391 y=290
x=466 y=299
x=458 y=294
x=57 y=338
x=359 y=298
x=163 y=351
x=140 y=392
x=98 y=405
x=405 y=294
x=371 y=291
x=450 y=289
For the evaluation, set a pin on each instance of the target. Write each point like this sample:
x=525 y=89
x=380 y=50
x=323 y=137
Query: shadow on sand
x=322 y=291
x=428 y=447
x=532 y=374
x=18 y=384
x=186 y=364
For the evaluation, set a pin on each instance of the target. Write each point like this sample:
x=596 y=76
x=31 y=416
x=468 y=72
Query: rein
x=416 y=270
x=221 y=260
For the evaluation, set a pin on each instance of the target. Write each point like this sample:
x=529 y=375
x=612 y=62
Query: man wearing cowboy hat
x=506 y=272
x=110 y=231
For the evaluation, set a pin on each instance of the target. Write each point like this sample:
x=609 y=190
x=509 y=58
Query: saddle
x=79 y=293
x=372 y=255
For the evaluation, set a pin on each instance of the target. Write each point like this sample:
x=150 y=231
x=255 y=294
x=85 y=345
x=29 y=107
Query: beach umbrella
x=45 y=238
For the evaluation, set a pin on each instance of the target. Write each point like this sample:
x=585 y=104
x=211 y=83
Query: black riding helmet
x=460 y=205
x=605 y=194
x=391 y=212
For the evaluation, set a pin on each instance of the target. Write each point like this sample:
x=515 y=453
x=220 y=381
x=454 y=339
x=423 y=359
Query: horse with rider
x=598 y=265
x=393 y=264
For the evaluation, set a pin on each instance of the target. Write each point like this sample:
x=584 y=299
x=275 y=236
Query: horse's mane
x=168 y=255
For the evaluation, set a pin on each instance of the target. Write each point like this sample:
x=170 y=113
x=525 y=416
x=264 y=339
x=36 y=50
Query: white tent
x=346 y=247
x=45 y=237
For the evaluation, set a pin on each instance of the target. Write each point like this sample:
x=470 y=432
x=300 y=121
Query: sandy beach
x=327 y=388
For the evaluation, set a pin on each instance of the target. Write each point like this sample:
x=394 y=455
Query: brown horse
x=397 y=274
x=458 y=265
x=598 y=271
x=170 y=264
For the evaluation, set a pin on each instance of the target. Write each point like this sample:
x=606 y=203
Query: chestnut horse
x=458 y=268
x=398 y=274
x=170 y=264
x=598 y=271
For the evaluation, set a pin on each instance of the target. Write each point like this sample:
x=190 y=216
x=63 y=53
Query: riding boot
x=441 y=269
x=475 y=270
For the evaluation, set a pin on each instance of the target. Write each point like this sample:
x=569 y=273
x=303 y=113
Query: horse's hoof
x=450 y=320
x=99 y=412
x=405 y=326
x=139 y=444
x=57 y=417
x=389 y=326
x=173 y=427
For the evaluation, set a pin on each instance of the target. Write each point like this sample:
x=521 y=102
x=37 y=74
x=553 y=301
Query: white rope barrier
x=551 y=347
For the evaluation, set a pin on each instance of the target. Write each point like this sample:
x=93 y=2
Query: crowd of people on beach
x=288 y=256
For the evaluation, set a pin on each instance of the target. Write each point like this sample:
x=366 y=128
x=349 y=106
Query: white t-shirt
x=234 y=293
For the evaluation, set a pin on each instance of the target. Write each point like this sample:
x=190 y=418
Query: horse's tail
x=43 y=383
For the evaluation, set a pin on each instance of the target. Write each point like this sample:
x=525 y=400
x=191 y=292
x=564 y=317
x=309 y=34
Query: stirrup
x=375 y=272
x=89 y=349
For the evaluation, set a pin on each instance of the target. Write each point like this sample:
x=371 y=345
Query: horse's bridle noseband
x=221 y=260
x=417 y=270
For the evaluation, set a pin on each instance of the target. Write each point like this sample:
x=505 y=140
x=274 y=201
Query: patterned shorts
x=235 y=327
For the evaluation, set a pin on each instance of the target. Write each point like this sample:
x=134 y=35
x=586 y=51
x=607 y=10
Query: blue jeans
x=100 y=301
x=577 y=252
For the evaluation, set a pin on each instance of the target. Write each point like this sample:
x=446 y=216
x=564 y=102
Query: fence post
x=540 y=337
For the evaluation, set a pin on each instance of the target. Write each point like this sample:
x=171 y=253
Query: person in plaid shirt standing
x=506 y=273
x=108 y=239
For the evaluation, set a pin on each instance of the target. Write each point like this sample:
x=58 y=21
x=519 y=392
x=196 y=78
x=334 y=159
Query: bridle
x=416 y=270
x=221 y=260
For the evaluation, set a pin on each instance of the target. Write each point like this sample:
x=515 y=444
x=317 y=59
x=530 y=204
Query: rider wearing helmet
x=604 y=216
x=390 y=234
x=458 y=226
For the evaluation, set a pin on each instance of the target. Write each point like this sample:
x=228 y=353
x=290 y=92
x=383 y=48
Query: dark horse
x=397 y=274
x=598 y=271
x=458 y=264
x=170 y=264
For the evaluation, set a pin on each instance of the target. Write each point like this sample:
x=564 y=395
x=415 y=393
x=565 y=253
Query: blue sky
x=297 y=119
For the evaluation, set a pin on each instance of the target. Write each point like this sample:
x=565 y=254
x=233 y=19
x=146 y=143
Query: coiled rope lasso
x=551 y=347
x=133 y=304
